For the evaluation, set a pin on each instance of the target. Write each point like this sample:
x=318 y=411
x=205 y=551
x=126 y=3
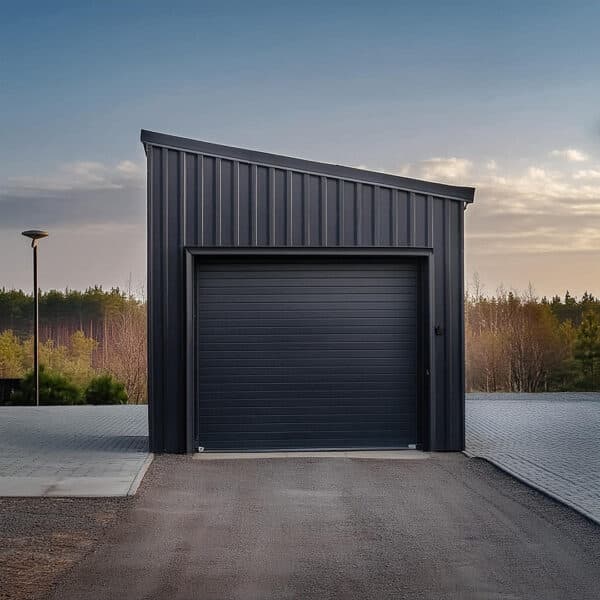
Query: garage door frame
x=425 y=363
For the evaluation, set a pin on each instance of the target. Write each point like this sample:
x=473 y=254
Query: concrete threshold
x=351 y=454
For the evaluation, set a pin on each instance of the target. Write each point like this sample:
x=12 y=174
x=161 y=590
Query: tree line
x=521 y=343
x=514 y=342
x=82 y=335
x=61 y=313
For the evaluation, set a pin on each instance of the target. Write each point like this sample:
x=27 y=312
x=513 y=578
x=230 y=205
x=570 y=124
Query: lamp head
x=35 y=235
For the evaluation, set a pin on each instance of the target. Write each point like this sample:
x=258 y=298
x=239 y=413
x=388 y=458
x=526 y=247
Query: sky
x=503 y=96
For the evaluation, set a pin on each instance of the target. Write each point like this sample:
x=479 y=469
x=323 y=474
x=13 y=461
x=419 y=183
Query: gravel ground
x=41 y=538
x=446 y=528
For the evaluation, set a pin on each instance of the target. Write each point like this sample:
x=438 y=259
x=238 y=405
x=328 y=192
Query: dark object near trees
x=55 y=389
x=105 y=390
x=8 y=388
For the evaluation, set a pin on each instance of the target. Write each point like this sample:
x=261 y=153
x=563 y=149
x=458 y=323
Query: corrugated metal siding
x=228 y=203
x=203 y=200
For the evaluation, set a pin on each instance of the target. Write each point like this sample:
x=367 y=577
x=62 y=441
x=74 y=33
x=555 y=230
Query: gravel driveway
x=444 y=528
x=551 y=441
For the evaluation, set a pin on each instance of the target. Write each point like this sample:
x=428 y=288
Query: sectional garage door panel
x=306 y=354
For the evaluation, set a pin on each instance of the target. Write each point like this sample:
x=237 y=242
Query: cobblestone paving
x=98 y=450
x=551 y=441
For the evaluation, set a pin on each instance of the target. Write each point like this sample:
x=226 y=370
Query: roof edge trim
x=451 y=192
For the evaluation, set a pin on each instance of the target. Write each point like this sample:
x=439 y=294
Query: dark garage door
x=306 y=354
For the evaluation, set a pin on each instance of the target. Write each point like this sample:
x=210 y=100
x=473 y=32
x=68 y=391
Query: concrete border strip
x=135 y=484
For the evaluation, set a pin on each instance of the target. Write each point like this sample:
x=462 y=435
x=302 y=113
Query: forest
x=514 y=342
x=83 y=335
x=521 y=343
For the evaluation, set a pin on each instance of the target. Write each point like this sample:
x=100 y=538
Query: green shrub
x=55 y=389
x=105 y=390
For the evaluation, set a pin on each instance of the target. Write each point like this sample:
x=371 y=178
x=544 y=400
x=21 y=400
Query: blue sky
x=501 y=95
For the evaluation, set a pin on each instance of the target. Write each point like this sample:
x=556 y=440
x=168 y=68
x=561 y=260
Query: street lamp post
x=35 y=235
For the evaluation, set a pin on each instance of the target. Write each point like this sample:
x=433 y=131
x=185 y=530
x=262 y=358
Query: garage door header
x=451 y=192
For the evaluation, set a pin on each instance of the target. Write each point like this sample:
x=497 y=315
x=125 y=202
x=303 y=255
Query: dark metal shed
x=300 y=305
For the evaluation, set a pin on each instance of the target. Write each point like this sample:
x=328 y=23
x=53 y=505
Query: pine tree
x=587 y=347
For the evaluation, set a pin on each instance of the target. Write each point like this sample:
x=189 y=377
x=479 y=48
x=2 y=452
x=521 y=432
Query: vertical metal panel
x=272 y=212
x=227 y=227
x=448 y=331
x=348 y=228
x=307 y=212
x=205 y=200
x=455 y=323
x=190 y=205
x=432 y=350
x=429 y=221
x=190 y=370
x=262 y=207
x=421 y=224
x=163 y=307
x=333 y=215
x=298 y=216
x=289 y=203
x=358 y=197
x=440 y=321
x=254 y=203
x=245 y=219
x=367 y=221
x=402 y=217
x=280 y=216
x=394 y=217
x=323 y=204
x=209 y=221
x=173 y=316
x=315 y=223
x=200 y=197
x=236 y=203
x=410 y=220
x=181 y=200
x=218 y=202
x=385 y=226
x=376 y=215
x=155 y=399
x=460 y=387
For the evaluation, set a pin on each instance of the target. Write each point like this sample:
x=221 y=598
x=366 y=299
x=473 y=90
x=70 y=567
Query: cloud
x=570 y=154
x=534 y=211
x=445 y=168
x=531 y=210
x=131 y=169
x=376 y=169
x=587 y=174
x=80 y=176
x=78 y=193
